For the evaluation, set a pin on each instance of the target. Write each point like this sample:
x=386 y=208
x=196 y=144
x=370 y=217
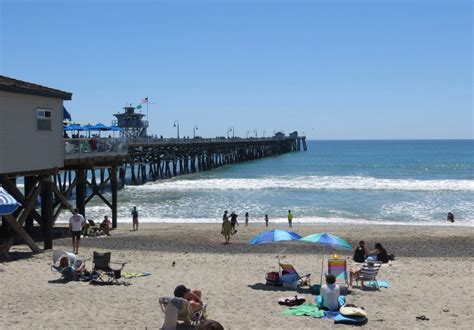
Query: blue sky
x=331 y=69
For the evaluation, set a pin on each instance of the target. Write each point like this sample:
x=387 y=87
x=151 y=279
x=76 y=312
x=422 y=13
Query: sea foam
x=310 y=183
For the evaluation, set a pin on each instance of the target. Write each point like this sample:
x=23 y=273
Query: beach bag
x=315 y=289
x=273 y=278
x=290 y=281
x=289 y=278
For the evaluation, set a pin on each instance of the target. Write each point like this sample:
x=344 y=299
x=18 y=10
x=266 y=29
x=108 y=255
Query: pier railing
x=184 y=140
x=96 y=147
x=79 y=148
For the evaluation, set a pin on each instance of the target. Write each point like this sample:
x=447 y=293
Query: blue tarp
x=66 y=114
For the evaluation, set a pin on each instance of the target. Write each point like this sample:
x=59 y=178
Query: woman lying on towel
x=193 y=296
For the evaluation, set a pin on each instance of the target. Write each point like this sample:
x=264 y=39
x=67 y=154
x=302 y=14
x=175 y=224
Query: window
x=43 y=118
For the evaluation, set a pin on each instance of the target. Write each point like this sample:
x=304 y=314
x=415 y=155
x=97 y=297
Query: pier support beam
x=113 y=187
x=30 y=183
x=81 y=191
x=47 y=211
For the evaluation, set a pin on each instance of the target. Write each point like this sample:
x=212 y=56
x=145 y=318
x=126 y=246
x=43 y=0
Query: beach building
x=32 y=147
x=31 y=126
x=279 y=135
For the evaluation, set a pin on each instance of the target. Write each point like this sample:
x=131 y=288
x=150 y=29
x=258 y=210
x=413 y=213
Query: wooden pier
x=89 y=168
x=64 y=173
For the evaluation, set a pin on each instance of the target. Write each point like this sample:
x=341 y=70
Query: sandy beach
x=432 y=276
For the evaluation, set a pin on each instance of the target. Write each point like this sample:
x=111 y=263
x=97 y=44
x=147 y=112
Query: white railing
x=90 y=147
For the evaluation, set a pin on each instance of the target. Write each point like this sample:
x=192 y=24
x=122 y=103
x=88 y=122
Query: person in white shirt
x=76 y=224
x=330 y=295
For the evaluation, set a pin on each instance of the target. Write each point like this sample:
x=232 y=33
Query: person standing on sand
x=290 y=219
x=450 y=217
x=225 y=216
x=226 y=229
x=233 y=222
x=76 y=224
x=246 y=219
x=135 y=218
x=266 y=220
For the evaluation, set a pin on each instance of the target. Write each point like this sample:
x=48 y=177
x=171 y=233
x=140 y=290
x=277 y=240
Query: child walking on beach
x=290 y=218
x=266 y=220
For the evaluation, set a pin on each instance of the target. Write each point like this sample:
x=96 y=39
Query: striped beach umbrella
x=8 y=204
x=326 y=239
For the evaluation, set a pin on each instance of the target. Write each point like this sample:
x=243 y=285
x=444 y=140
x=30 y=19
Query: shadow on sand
x=264 y=287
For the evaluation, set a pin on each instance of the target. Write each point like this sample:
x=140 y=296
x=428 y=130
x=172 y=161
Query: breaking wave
x=310 y=183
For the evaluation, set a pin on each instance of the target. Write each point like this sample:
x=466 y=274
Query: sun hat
x=370 y=259
x=180 y=291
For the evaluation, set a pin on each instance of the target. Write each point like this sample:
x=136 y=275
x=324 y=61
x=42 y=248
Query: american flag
x=144 y=100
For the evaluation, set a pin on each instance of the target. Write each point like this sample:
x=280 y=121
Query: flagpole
x=147 y=100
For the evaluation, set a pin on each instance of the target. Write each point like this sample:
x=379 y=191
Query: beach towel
x=353 y=320
x=133 y=274
x=304 y=310
x=381 y=284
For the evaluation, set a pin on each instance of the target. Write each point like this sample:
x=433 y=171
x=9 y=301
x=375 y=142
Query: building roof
x=22 y=87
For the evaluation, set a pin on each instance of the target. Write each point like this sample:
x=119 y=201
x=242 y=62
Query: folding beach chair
x=184 y=314
x=70 y=268
x=369 y=272
x=93 y=229
x=338 y=267
x=289 y=269
x=106 y=274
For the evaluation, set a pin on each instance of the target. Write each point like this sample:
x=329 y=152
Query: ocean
x=377 y=182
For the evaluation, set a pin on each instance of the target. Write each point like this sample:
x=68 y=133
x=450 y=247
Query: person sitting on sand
x=380 y=253
x=360 y=252
x=71 y=272
x=330 y=295
x=105 y=225
x=192 y=296
x=226 y=229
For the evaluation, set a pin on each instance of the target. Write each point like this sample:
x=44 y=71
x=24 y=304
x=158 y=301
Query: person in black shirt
x=380 y=253
x=450 y=217
x=360 y=252
x=233 y=222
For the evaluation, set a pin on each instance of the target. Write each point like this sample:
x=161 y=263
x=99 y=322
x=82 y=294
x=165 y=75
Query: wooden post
x=30 y=182
x=47 y=211
x=113 y=187
x=81 y=191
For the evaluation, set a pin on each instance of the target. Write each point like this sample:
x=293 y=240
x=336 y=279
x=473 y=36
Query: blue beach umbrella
x=73 y=127
x=326 y=239
x=101 y=127
x=8 y=204
x=275 y=235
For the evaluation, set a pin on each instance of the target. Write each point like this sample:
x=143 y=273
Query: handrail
x=95 y=145
x=87 y=147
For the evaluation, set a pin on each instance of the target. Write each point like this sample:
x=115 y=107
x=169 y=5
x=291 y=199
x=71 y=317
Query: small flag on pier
x=144 y=100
